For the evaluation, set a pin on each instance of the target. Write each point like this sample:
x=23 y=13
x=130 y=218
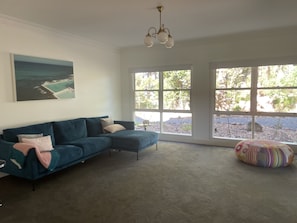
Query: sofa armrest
x=5 y=149
x=30 y=166
x=129 y=125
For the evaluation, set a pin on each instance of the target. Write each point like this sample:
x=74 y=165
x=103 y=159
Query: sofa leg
x=137 y=155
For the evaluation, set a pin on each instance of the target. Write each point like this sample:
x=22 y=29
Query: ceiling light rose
x=163 y=35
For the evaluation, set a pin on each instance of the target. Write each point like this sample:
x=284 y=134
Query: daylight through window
x=256 y=102
x=162 y=101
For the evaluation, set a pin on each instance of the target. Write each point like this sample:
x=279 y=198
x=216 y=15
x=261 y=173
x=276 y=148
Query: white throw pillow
x=106 y=122
x=43 y=143
x=114 y=128
x=30 y=136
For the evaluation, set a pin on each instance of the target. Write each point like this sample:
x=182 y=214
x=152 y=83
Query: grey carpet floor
x=178 y=183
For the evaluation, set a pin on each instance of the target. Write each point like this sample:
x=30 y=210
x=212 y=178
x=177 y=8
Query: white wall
x=96 y=75
x=201 y=53
x=103 y=83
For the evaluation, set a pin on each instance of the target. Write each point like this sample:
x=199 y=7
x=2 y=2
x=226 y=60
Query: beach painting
x=41 y=78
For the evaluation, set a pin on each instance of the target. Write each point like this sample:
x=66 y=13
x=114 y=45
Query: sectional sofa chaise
x=35 y=151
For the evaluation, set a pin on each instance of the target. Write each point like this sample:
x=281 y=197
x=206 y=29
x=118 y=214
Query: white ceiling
x=123 y=23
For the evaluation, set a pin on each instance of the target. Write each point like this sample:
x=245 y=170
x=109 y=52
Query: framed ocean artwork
x=37 y=78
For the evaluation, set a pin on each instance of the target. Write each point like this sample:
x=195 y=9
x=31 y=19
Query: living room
x=102 y=72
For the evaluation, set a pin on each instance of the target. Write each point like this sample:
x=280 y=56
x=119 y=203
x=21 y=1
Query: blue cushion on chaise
x=133 y=140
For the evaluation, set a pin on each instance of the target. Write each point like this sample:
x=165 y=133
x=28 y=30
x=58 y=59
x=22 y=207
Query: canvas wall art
x=41 y=78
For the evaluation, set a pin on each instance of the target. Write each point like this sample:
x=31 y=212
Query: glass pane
x=277 y=100
x=146 y=100
x=239 y=77
x=177 y=79
x=176 y=100
x=177 y=123
x=277 y=76
x=147 y=81
x=282 y=129
x=153 y=119
x=232 y=126
x=232 y=100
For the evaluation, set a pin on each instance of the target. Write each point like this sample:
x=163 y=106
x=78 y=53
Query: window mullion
x=254 y=84
x=161 y=99
x=254 y=80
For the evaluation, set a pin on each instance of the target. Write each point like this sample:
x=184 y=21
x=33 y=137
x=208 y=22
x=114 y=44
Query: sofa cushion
x=129 y=125
x=92 y=145
x=94 y=126
x=133 y=140
x=69 y=154
x=11 y=134
x=69 y=130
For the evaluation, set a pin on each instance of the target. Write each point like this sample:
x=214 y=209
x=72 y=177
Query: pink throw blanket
x=48 y=159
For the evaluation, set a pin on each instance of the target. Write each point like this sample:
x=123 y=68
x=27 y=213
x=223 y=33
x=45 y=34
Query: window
x=163 y=98
x=256 y=102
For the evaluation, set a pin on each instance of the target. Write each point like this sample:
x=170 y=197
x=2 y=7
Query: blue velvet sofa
x=74 y=141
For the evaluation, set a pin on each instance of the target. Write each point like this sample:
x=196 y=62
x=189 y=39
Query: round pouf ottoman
x=264 y=153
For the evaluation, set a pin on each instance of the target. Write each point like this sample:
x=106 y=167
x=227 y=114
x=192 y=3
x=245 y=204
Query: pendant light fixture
x=162 y=35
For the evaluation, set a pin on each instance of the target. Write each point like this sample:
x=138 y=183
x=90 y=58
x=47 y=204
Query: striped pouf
x=264 y=153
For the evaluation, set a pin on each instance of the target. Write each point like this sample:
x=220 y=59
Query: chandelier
x=163 y=34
